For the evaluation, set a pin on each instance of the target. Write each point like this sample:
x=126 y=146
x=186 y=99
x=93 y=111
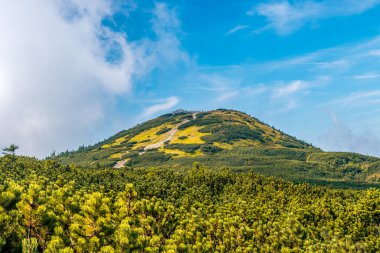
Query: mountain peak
x=184 y=133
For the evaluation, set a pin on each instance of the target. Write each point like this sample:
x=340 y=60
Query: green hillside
x=49 y=207
x=226 y=138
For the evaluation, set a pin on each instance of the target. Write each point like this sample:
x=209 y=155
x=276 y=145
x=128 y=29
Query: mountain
x=226 y=138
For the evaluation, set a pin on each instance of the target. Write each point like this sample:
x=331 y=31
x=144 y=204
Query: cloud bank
x=285 y=17
x=57 y=83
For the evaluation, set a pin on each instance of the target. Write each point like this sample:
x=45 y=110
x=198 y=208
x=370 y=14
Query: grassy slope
x=225 y=138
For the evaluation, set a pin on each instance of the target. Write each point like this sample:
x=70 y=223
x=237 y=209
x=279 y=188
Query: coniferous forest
x=49 y=207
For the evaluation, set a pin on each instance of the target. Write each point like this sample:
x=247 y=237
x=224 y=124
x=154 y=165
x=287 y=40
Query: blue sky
x=83 y=70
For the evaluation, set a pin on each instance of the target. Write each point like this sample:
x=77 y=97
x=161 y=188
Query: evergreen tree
x=11 y=149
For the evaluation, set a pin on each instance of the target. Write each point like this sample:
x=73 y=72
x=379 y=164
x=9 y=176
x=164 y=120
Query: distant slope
x=225 y=138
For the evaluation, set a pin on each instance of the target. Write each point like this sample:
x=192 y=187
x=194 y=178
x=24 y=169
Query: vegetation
x=163 y=130
x=204 y=121
x=49 y=207
x=227 y=138
x=11 y=149
x=151 y=157
x=228 y=133
x=296 y=165
x=209 y=149
x=188 y=148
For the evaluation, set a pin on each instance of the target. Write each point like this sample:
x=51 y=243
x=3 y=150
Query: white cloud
x=291 y=105
x=227 y=96
x=334 y=65
x=374 y=52
x=237 y=28
x=56 y=86
x=165 y=105
x=359 y=98
x=53 y=71
x=222 y=88
x=166 y=51
x=286 y=17
x=165 y=19
x=341 y=138
x=255 y=90
x=367 y=76
x=289 y=89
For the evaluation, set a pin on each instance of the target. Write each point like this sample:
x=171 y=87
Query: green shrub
x=209 y=149
x=227 y=133
x=164 y=130
x=201 y=122
x=152 y=156
x=188 y=148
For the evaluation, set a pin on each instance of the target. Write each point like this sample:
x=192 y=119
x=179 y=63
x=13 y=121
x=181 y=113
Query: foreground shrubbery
x=45 y=206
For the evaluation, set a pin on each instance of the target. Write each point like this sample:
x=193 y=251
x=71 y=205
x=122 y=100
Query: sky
x=74 y=72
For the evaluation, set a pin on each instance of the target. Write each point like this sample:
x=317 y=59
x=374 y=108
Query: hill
x=226 y=138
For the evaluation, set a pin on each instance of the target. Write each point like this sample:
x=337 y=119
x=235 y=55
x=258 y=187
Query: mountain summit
x=191 y=133
x=223 y=138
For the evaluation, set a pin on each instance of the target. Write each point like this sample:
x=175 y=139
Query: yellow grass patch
x=193 y=136
x=197 y=153
x=175 y=152
x=223 y=145
x=106 y=146
x=116 y=142
x=151 y=135
x=117 y=155
x=179 y=153
x=120 y=140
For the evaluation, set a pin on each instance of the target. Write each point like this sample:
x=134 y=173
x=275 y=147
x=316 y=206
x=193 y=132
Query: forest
x=46 y=206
